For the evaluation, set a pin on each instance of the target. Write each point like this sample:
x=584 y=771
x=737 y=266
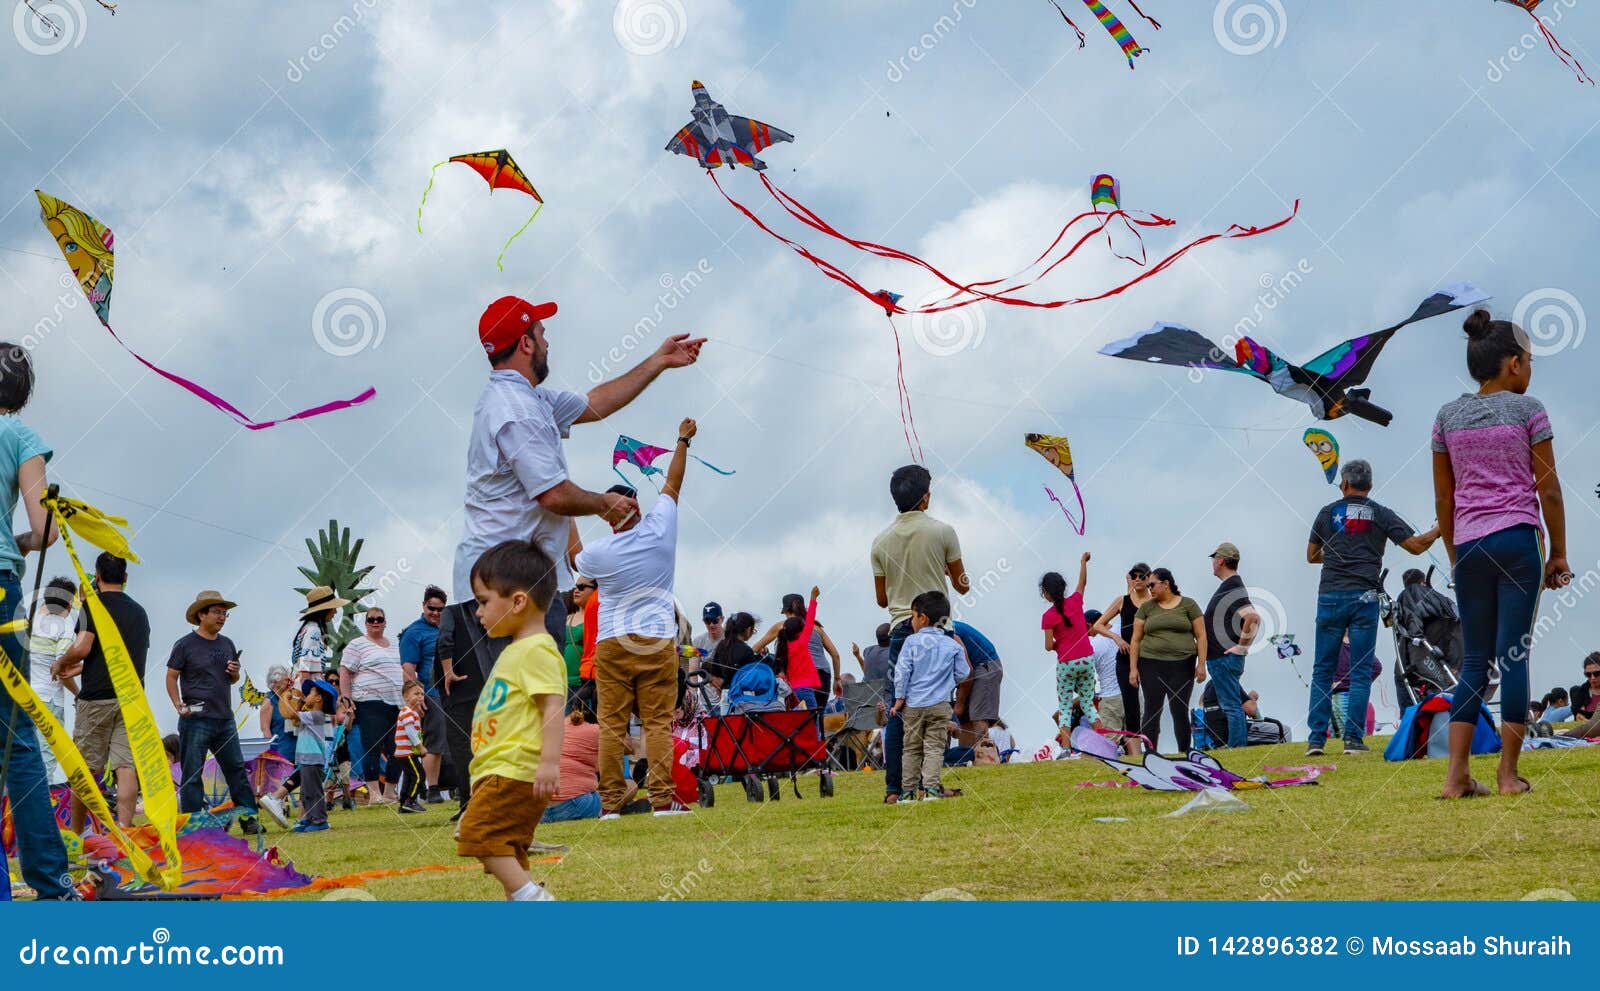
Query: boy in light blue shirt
x=931 y=664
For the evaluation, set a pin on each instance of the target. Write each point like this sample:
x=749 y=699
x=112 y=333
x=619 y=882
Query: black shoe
x=347 y=803
x=1356 y=747
x=412 y=805
x=433 y=797
x=639 y=806
x=459 y=813
x=251 y=826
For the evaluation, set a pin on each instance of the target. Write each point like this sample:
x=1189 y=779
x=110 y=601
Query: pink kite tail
x=908 y=420
x=1153 y=22
x=1082 y=520
x=232 y=410
x=1560 y=51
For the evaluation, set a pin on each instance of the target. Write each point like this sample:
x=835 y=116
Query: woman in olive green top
x=572 y=650
x=1167 y=656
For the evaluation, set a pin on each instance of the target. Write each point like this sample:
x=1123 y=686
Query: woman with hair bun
x=1494 y=473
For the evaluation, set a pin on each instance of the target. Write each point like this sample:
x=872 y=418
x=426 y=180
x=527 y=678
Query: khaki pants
x=927 y=729
x=631 y=674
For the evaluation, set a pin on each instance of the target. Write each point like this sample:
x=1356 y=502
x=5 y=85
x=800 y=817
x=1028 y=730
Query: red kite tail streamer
x=1082 y=519
x=1071 y=25
x=908 y=420
x=1153 y=22
x=202 y=392
x=1560 y=50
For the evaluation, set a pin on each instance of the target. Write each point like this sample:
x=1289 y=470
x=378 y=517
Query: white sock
x=525 y=893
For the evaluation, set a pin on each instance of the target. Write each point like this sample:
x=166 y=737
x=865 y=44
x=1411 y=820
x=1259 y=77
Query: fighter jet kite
x=1325 y=383
x=716 y=137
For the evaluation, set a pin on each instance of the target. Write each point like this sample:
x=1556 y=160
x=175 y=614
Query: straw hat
x=205 y=600
x=321 y=599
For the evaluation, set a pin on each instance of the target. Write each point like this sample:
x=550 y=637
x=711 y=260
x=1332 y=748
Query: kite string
x=499 y=262
x=1071 y=25
x=908 y=419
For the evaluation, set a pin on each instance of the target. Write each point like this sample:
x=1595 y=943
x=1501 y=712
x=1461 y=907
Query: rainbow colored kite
x=87 y=245
x=642 y=456
x=500 y=171
x=1131 y=49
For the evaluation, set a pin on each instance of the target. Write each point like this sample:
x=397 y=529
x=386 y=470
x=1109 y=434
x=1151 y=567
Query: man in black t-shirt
x=1348 y=539
x=200 y=673
x=1231 y=622
x=464 y=654
x=98 y=730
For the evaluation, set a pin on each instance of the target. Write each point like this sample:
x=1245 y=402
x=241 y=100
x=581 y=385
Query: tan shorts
x=499 y=820
x=1112 y=715
x=101 y=735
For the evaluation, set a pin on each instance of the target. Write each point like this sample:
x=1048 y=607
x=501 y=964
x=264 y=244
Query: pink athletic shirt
x=1490 y=442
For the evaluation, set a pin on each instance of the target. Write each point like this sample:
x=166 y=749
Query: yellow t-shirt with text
x=508 y=725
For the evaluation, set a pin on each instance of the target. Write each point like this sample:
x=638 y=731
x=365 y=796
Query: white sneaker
x=274 y=808
x=610 y=815
x=541 y=894
x=930 y=797
x=672 y=810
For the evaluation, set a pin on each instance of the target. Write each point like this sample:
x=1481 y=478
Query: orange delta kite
x=500 y=171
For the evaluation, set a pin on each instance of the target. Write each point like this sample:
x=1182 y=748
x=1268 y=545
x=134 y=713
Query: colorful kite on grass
x=500 y=171
x=642 y=456
x=89 y=249
x=1058 y=452
x=1560 y=52
x=1119 y=32
x=1197 y=772
x=1326 y=448
x=1325 y=383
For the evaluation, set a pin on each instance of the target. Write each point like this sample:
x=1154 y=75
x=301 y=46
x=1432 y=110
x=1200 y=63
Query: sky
x=261 y=167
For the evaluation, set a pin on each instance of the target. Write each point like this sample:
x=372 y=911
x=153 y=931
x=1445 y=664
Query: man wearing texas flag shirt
x=1348 y=540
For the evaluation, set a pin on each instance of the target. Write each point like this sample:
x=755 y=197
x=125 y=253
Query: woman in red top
x=794 y=653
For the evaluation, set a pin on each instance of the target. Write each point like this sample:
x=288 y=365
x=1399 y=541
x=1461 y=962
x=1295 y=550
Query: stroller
x=760 y=741
x=1427 y=640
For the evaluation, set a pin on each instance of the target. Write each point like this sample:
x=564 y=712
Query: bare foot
x=1514 y=785
x=1472 y=789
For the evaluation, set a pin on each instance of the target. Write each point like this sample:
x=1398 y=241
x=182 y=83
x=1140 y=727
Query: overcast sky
x=261 y=166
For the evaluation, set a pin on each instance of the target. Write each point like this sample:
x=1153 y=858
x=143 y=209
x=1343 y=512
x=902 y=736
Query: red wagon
x=763 y=745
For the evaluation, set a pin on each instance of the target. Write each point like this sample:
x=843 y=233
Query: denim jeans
x=1225 y=673
x=375 y=720
x=1498 y=580
x=894 y=730
x=585 y=806
x=44 y=858
x=1339 y=613
x=198 y=736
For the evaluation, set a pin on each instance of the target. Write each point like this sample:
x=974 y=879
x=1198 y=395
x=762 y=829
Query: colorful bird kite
x=250 y=695
x=642 y=455
x=1326 y=448
x=1325 y=383
x=1119 y=32
x=1058 y=452
x=88 y=247
x=713 y=123
x=500 y=171
x=1560 y=52
x=1197 y=772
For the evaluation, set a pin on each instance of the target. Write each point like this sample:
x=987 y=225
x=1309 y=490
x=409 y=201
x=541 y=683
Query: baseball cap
x=1226 y=550
x=507 y=319
x=711 y=613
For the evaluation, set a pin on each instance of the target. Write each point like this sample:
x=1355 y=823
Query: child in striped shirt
x=408 y=748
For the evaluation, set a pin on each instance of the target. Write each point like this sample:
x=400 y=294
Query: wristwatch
x=684 y=441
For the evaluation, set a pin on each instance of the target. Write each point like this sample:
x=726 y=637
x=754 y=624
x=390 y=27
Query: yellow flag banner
x=79 y=777
x=144 y=737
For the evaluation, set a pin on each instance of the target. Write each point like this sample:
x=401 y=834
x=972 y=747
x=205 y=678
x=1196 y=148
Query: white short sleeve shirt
x=635 y=572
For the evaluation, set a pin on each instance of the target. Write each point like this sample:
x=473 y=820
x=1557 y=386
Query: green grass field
x=1369 y=830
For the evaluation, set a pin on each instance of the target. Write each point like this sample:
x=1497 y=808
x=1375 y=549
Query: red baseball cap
x=507 y=319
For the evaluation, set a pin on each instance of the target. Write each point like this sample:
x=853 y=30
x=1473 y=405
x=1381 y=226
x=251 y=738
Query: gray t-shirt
x=819 y=655
x=1352 y=534
x=875 y=663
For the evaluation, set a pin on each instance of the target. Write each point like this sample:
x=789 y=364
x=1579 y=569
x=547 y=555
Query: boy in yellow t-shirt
x=517 y=725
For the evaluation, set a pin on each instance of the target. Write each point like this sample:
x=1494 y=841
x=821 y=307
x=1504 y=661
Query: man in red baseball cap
x=517 y=484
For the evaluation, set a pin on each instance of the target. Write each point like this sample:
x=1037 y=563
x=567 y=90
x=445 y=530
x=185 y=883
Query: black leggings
x=1130 y=694
x=1173 y=683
